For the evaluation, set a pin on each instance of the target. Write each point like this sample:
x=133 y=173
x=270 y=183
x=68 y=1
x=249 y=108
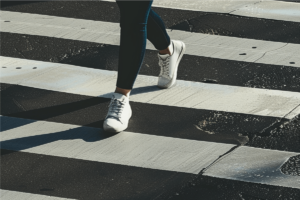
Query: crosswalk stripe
x=222 y=47
x=178 y=122
x=255 y=165
x=185 y=20
x=191 y=68
x=14 y=195
x=188 y=94
x=147 y=151
x=277 y=10
x=294 y=112
x=82 y=179
x=126 y=148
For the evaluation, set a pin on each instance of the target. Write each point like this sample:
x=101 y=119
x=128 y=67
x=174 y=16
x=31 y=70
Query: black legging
x=138 y=22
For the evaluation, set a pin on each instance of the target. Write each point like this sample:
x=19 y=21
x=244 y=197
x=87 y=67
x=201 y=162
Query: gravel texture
x=292 y=166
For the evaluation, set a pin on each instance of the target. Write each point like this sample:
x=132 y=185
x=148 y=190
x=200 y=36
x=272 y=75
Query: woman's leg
x=134 y=17
x=170 y=51
x=134 y=28
x=157 y=34
x=138 y=23
x=133 y=23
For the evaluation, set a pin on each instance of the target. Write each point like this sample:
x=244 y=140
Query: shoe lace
x=164 y=64
x=116 y=106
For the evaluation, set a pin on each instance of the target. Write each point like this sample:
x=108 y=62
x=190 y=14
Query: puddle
x=225 y=125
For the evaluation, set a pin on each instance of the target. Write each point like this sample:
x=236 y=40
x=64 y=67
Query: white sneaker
x=169 y=65
x=118 y=115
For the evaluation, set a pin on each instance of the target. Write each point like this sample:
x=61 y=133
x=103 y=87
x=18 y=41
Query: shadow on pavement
x=18 y=144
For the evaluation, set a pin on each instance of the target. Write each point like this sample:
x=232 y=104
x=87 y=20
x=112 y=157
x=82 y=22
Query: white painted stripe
x=268 y=9
x=218 y=6
x=125 y=148
x=214 y=46
x=14 y=195
x=277 y=10
x=188 y=94
x=293 y=113
x=256 y=166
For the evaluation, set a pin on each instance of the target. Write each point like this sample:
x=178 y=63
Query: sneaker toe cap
x=113 y=125
x=163 y=82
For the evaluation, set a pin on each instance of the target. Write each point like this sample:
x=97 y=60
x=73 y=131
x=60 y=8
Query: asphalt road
x=266 y=132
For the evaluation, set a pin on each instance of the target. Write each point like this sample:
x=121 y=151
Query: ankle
x=164 y=52
x=125 y=92
x=168 y=50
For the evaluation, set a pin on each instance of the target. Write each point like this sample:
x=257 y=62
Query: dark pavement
x=72 y=178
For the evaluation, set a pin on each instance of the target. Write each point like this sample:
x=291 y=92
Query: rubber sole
x=113 y=130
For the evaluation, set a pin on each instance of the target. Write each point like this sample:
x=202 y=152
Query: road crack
x=221 y=157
